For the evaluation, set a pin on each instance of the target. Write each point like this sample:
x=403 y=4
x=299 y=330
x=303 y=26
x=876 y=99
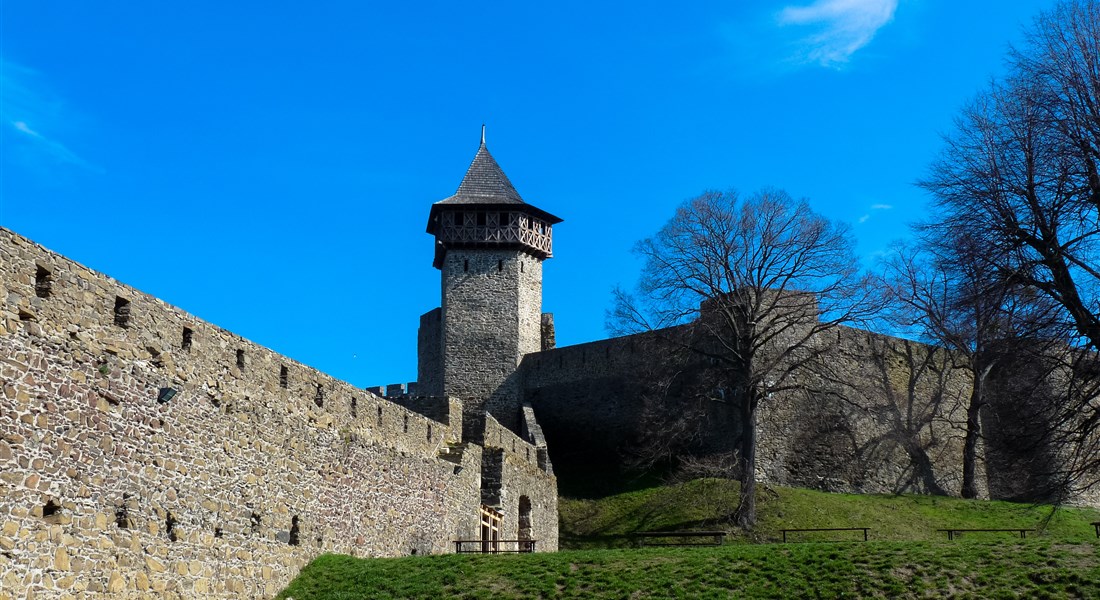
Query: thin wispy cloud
x=874 y=208
x=839 y=27
x=53 y=148
x=29 y=108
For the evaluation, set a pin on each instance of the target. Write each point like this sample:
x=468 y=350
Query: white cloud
x=874 y=207
x=53 y=148
x=841 y=27
x=26 y=101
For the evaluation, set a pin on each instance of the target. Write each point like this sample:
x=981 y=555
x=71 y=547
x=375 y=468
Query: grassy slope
x=969 y=569
x=1063 y=561
x=703 y=504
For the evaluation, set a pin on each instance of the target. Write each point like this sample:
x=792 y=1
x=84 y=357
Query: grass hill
x=705 y=503
x=905 y=559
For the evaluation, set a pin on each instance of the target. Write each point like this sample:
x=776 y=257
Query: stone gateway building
x=146 y=453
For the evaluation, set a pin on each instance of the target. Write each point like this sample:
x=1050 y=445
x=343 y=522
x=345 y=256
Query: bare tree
x=944 y=293
x=1020 y=177
x=752 y=282
x=1020 y=173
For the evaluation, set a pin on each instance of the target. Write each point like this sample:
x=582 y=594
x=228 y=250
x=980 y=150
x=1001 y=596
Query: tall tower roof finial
x=483 y=134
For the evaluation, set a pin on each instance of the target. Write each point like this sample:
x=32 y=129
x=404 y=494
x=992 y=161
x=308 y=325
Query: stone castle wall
x=429 y=350
x=255 y=466
x=878 y=414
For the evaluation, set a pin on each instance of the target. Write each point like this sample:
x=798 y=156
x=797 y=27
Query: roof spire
x=483 y=134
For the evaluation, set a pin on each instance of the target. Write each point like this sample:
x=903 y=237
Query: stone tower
x=489 y=246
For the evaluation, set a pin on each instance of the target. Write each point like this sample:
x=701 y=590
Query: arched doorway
x=526 y=535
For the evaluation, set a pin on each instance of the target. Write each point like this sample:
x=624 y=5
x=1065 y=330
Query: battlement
x=52 y=297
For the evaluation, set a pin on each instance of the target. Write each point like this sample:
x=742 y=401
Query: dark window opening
x=51 y=508
x=429 y=433
x=319 y=397
x=354 y=408
x=240 y=359
x=122 y=515
x=283 y=376
x=521 y=266
x=406 y=423
x=500 y=265
x=293 y=538
x=188 y=335
x=254 y=521
x=42 y=281
x=217 y=532
x=380 y=415
x=465 y=266
x=122 y=312
x=170 y=527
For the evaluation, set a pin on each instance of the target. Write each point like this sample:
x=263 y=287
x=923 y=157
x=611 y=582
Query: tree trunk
x=745 y=517
x=973 y=434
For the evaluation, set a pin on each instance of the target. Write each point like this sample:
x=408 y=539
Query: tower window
x=42 y=282
x=429 y=433
x=466 y=266
x=406 y=423
x=354 y=407
x=122 y=311
x=240 y=359
x=521 y=266
x=500 y=265
x=379 y=415
x=319 y=397
x=185 y=343
x=283 y=376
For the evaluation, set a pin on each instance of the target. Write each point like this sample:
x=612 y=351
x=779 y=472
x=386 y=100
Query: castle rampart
x=254 y=466
x=883 y=415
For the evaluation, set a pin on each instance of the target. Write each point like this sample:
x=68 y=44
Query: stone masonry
x=256 y=465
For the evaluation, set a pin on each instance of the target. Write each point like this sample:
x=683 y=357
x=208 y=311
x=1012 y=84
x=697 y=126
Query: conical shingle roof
x=484 y=183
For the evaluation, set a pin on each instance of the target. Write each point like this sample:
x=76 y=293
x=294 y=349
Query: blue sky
x=269 y=166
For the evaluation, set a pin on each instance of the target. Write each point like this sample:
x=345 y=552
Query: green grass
x=706 y=503
x=970 y=569
x=906 y=558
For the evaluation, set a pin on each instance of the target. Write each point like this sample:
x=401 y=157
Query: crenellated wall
x=256 y=464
